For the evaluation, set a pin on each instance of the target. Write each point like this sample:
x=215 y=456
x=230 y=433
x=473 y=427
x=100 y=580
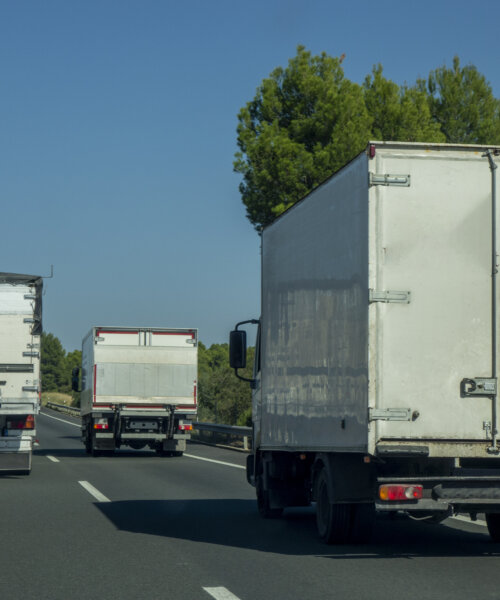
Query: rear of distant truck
x=138 y=388
x=20 y=387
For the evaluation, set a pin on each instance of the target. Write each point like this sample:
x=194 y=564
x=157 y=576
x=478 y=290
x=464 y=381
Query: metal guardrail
x=228 y=430
x=71 y=410
x=216 y=428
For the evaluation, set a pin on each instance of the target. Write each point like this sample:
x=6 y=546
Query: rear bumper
x=454 y=493
x=15 y=453
x=156 y=437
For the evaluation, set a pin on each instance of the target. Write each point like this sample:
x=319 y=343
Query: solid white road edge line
x=220 y=593
x=94 y=491
x=52 y=458
x=217 y=462
x=62 y=420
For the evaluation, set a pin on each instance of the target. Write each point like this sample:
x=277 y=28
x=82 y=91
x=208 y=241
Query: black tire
x=333 y=521
x=263 y=505
x=88 y=441
x=363 y=519
x=94 y=451
x=493 y=523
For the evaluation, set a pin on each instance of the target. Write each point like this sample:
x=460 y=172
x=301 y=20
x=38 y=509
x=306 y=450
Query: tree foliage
x=222 y=397
x=399 y=113
x=56 y=365
x=462 y=103
x=307 y=120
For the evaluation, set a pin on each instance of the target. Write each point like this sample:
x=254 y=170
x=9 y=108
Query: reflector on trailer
x=400 y=492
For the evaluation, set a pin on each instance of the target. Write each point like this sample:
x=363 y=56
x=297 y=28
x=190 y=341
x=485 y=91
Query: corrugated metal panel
x=315 y=318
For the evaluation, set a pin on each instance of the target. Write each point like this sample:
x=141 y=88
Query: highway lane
x=177 y=527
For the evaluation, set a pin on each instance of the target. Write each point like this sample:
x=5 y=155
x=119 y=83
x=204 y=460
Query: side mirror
x=238 y=349
x=75 y=379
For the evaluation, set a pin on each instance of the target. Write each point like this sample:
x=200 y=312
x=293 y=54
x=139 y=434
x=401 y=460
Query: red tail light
x=401 y=492
x=185 y=427
x=27 y=422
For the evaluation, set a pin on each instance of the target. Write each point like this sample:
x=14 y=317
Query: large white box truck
x=20 y=387
x=375 y=379
x=138 y=388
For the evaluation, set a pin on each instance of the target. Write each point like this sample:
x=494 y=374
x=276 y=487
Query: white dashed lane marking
x=94 y=491
x=220 y=593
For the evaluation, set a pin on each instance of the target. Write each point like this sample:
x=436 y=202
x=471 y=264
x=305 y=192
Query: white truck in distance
x=138 y=388
x=20 y=331
x=375 y=377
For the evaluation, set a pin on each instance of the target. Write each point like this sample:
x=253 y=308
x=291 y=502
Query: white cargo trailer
x=20 y=331
x=138 y=388
x=375 y=381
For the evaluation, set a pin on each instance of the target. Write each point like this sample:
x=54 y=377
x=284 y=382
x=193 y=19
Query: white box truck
x=20 y=387
x=375 y=379
x=138 y=388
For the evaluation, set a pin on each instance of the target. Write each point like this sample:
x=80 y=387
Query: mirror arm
x=251 y=321
x=252 y=382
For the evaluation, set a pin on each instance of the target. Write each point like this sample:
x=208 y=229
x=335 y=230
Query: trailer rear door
x=145 y=367
x=431 y=298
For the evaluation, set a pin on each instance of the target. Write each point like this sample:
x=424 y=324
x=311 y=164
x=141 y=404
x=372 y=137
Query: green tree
x=56 y=366
x=71 y=360
x=462 y=103
x=222 y=397
x=52 y=363
x=399 y=113
x=305 y=122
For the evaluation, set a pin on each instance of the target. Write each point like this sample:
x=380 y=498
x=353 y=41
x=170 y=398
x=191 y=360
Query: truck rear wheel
x=333 y=521
x=88 y=440
x=493 y=523
x=94 y=450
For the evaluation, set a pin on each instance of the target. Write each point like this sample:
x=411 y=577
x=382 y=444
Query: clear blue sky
x=118 y=130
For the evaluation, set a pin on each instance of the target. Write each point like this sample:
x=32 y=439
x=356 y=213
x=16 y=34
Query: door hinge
x=386 y=179
x=390 y=414
x=390 y=296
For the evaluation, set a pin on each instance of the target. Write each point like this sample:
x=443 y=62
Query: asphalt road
x=138 y=526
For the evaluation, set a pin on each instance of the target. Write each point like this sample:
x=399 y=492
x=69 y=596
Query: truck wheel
x=263 y=502
x=94 y=451
x=493 y=522
x=363 y=520
x=333 y=521
x=88 y=441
